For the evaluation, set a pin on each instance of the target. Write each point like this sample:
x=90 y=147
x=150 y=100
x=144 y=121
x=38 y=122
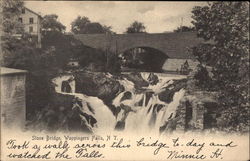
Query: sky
x=157 y=16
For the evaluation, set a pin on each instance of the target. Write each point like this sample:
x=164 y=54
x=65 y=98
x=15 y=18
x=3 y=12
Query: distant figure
x=66 y=85
x=185 y=68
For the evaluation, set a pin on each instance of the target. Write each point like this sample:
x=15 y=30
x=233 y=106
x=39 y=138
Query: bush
x=226 y=26
x=202 y=77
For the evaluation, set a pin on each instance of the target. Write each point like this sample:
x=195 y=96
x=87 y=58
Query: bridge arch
x=146 y=47
x=174 y=45
x=143 y=57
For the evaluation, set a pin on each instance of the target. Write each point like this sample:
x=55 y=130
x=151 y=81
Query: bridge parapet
x=174 y=45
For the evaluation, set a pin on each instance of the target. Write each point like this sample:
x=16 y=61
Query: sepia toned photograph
x=129 y=68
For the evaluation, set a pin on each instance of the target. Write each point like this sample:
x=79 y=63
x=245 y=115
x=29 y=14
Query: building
x=13 y=106
x=32 y=24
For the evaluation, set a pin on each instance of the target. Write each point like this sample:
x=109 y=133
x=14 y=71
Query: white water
x=140 y=118
x=105 y=119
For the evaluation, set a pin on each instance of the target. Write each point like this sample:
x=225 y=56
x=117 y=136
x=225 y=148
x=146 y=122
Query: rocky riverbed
x=134 y=102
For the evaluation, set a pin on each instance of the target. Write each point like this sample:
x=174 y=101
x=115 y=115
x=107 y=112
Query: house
x=32 y=24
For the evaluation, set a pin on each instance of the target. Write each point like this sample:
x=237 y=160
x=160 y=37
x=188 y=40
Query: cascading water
x=139 y=112
x=104 y=117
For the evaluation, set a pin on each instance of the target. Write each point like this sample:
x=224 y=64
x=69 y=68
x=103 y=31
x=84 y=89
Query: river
x=139 y=112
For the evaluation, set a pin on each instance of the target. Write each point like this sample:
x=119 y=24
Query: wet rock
x=157 y=107
x=169 y=126
x=139 y=103
x=168 y=93
x=137 y=79
x=126 y=108
x=90 y=119
x=111 y=107
x=98 y=85
x=153 y=79
x=127 y=95
x=148 y=96
x=117 y=111
x=90 y=108
x=63 y=100
x=120 y=125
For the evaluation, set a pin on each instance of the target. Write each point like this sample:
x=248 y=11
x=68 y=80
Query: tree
x=50 y=23
x=184 y=29
x=79 y=24
x=108 y=29
x=11 y=9
x=94 y=28
x=136 y=27
x=19 y=52
x=82 y=25
x=226 y=24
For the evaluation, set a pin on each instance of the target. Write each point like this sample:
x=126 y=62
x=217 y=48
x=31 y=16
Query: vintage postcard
x=124 y=80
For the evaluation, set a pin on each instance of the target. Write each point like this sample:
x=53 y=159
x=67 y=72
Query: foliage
x=19 y=52
x=94 y=28
x=185 y=29
x=136 y=27
x=202 y=77
x=79 y=24
x=59 y=45
x=11 y=9
x=50 y=23
x=226 y=26
x=113 y=63
x=10 y=12
x=92 y=56
x=82 y=25
x=40 y=67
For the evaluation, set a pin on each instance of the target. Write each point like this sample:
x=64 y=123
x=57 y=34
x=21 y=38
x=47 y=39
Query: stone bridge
x=174 y=45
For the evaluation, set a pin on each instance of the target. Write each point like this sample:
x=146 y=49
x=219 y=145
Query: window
x=30 y=29
x=20 y=20
x=23 y=10
x=31 y=20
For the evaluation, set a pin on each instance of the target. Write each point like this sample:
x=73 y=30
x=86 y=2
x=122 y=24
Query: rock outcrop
x=167 y=94
x=137 y=79
x=153 y=79
x=98 y=85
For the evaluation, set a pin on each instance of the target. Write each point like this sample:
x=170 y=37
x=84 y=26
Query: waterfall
x=139 y=112
x=104 y=117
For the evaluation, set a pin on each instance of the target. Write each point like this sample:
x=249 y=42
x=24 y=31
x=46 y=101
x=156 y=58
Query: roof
x=7 y=71
x=33 y=12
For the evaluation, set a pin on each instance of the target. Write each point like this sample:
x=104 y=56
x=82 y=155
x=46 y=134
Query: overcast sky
x=156 y=16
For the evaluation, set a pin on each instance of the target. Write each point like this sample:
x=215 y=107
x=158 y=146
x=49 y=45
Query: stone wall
x=196 y=111
x=175 y=64
x=13 y=106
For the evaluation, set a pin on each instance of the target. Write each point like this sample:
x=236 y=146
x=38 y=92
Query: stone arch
x=126 y=48
x=152 y=58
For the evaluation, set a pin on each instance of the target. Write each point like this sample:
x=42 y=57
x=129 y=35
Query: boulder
x=120 y=125
x=137 y=79
x=98 y=85
x=153 y=79
x=169 y=91
x=127 y=95
x=61 y=100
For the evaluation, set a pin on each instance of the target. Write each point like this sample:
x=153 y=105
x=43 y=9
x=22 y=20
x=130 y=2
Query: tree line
x=83 y=25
